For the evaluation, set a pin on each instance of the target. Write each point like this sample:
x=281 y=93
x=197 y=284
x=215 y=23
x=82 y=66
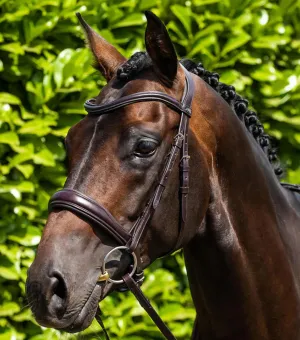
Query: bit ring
x=105 y=276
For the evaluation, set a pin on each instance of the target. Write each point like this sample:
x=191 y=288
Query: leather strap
x=144 y=302
x=86 y=207
x=139 y=229
x=181 y=139
x=100 y=322
x=184 y=161
x=292 y=187
x=146 y=96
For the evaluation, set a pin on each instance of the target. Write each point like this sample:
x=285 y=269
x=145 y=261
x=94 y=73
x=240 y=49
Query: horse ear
x=160 y=49
x=107 y=58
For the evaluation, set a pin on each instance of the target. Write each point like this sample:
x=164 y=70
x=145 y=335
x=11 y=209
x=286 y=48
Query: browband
x=181 y=107
x=95 y=109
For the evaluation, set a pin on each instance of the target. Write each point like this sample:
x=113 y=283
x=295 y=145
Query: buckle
x=105 y=276
x=179 y=137
x=185 y=157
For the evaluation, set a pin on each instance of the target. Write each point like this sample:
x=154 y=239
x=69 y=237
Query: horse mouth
x=86 y=315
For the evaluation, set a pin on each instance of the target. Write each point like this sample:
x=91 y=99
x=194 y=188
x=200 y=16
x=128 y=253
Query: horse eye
x=145 y=148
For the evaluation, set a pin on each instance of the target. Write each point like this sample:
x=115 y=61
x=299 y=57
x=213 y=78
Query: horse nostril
x=57 y=295
x=59 y=286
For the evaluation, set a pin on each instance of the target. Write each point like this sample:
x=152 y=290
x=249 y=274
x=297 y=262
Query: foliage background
x=45 y=76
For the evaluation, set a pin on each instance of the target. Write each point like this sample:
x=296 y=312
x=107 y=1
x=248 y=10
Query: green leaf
x=147 y=4
x=135 y=19
x=9 y=309
x=24 y=186
x=63 y=58
x=202 y=45
x=217 y=27
x=235 y=42
x=265 y=72
x=8 y=98
x=14 y=47
x=9 y=273
x=184 y=16
x=24 y=155
x=25 y=169
x=44 y=157
x=60 y=132
x=10 y=138
x=114 y=15
x=175 y=311
x=29 y=237
x=270 y=41
x=24 y=315
x=286 y=5
x=205 y=2
x=38 y=126
x=247 y=59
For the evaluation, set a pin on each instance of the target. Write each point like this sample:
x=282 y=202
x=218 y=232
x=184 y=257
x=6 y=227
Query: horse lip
x=87 y=313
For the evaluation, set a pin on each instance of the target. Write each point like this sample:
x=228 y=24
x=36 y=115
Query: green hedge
x=45 y=76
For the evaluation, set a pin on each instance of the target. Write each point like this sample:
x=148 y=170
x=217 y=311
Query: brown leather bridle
x=90 y=210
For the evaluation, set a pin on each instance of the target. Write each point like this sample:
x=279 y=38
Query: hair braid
x=138 y=61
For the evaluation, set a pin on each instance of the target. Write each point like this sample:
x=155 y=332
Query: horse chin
x=89 y=310
x=83 y=321
x=86 y=315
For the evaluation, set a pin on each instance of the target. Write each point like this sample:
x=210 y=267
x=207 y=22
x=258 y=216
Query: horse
x=123 y=206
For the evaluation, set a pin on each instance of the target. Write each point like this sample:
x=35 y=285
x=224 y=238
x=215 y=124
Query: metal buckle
x=179 y=136
x=184 y=157
x=105 y=276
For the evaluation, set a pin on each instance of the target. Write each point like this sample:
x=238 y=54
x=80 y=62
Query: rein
x=88 y=209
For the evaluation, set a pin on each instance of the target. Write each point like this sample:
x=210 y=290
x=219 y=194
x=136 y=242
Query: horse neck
x=240 y=276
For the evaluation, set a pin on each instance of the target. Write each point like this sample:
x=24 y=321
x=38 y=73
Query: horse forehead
x=140 y=111
x=151 y=112
x=109 y=94
x=116 y=89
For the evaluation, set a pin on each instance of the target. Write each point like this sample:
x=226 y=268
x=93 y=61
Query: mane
x=140 y=61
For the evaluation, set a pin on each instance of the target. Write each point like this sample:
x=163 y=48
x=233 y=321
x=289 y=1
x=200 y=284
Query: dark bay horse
x=241 y=236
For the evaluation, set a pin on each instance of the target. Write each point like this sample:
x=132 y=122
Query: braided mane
x=141 y=60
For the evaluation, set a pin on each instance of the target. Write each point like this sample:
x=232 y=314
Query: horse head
x=115 y=161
